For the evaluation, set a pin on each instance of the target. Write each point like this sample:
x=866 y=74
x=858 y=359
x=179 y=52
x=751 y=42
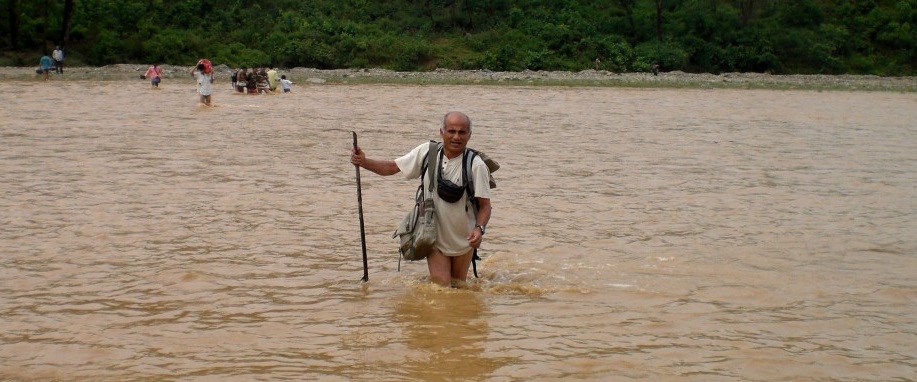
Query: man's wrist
x=481 y=227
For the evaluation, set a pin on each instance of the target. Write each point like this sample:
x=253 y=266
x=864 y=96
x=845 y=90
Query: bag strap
x=431 y=162
x=428 y=172
x=474 y=263
x=468 y=179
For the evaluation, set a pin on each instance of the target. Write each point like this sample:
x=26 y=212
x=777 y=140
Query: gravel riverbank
x=485 y=77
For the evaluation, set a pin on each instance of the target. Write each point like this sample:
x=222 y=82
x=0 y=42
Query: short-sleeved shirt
x=45 y=62
x=273 y=78
x=153 y=72
x=203 y=83
x=454 y=220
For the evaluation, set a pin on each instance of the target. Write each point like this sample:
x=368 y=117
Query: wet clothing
x=286 y=85
x=241 y=81
x=204 y=86
x=272 y=78
x=455 y=221
x=154 y=73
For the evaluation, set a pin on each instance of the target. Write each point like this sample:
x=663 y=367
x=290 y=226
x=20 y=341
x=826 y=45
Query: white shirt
x=454 y=221
x=204 y=86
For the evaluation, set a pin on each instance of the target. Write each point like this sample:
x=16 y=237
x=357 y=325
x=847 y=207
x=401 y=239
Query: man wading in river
x=459 y=231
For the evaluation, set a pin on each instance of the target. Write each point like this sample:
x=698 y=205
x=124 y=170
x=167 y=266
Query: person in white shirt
x=58 y=56
x=459 y=230
x=285 y=84
x=204 y=82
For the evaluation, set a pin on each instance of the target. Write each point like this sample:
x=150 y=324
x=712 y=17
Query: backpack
x=468 y=178
x=417 y=231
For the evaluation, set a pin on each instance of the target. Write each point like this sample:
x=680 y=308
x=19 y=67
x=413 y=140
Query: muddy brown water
x=637 y=234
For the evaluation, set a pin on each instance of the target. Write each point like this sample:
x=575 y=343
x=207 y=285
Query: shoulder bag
x=417 y=232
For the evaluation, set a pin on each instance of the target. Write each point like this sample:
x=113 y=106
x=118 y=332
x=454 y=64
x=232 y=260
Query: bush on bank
x=714 y=36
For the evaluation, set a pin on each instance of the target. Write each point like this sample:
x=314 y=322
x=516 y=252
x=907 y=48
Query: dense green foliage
x=780 y=36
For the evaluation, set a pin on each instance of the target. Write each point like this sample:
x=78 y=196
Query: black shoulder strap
x=429 y=163
x=468 y=177
x=474 y=263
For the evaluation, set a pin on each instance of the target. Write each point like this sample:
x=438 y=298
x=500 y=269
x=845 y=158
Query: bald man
x=459 y=229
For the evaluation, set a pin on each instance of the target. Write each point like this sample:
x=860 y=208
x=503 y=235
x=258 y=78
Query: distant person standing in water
x=45 y=65
x=272 y=78
x=58 y=56
x=154 y=74
x=204 y=79
x=241 y=80
x=285 y=84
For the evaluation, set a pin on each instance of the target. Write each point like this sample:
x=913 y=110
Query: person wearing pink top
x=154 y=73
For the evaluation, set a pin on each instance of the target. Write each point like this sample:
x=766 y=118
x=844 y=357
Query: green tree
x=800 y=36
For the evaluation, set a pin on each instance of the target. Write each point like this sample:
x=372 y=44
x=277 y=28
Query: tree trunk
x=747 y=9
x=45 y=18
x=66 y=22
x=13 y=9
x=660 y=4
x=628 y=6
x=470 y=13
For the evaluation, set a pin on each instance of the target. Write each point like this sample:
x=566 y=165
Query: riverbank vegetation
x=877 y=37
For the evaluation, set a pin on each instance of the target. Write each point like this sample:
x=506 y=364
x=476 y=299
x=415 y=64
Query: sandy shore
x=486 y=77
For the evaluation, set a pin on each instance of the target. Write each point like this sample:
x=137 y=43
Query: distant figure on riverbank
x=597 y=63
x=655 y=69
x=45 y=65
x=58 y=56
x=154 y=73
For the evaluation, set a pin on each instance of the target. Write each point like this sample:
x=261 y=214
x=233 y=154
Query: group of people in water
x=259 y=80
x=462 y=209
x=256 y=81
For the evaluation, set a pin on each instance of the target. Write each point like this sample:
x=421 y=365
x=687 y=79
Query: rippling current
x=637 y=234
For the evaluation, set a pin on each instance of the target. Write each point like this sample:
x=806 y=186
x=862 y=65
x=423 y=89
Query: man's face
x=455 y=136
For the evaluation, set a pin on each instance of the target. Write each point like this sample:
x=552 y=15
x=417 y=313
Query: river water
x=637 y=234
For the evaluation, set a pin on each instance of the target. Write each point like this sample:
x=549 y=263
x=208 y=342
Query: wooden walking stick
x=360 y=205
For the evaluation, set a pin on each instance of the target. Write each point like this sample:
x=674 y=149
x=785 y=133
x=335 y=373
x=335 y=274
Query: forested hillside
x=779 y=36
